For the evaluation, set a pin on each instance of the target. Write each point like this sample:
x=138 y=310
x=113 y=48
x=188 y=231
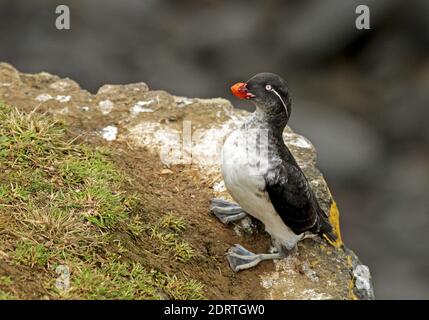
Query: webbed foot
x=226 y=211
x=240 y=258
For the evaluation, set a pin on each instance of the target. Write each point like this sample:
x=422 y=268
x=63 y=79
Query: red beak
x=240 y=91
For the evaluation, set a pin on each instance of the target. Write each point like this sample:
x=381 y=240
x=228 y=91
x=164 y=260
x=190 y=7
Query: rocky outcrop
x=190 y=132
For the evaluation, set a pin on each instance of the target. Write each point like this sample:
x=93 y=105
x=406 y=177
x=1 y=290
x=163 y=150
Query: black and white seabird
x=264 y=178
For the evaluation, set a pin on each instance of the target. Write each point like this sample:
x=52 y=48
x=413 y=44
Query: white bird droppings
x=105 y=106
x=44 y=97
x=109 y=133
x=63 y=98
x=219 y=186
x=267 y=283
x=140 y=107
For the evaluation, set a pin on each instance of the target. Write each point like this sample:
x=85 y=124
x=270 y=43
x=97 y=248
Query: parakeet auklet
x=263 y=177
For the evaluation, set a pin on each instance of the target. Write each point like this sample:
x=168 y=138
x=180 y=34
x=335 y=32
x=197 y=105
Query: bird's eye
x=268 y=87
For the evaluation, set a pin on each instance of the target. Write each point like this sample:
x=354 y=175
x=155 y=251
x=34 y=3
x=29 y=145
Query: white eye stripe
x=280 y=97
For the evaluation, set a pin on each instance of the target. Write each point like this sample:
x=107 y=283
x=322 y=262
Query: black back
x=292 y=197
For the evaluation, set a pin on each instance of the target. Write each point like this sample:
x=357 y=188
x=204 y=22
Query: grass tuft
x=167 y=234
x=173 y=222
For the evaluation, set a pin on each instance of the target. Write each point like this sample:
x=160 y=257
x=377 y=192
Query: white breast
x=244 y=179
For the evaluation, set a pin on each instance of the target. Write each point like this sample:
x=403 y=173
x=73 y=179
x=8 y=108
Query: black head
x=268 y=91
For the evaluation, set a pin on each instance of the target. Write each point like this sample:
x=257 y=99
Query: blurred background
x=361 y=96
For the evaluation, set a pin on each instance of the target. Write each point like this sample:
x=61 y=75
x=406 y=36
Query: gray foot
x=226 y=211
x=240 y=258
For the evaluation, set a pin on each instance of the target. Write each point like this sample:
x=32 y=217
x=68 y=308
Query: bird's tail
x=326 y=231
x=330 y=236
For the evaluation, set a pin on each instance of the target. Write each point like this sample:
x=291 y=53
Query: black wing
x=293 y=199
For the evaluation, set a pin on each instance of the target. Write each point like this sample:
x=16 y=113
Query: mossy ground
x=67 y=206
